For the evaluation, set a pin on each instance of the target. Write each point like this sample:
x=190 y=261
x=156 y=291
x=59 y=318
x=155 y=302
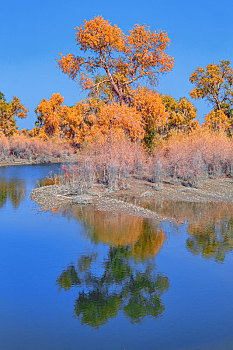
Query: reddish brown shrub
x=189 y=158
x=20 y=146
x=4 y=146
x=110 y=162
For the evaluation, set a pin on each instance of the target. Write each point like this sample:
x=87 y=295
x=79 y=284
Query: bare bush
x=4 y=147
x=181 y=159
x=110 y=163
x=20 y=146
x=187 y=159
x=157 y=172
x=81 y=176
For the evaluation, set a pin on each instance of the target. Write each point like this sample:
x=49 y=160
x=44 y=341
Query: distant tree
x=14 y=191
x=214 y=84
x=121 y=59
x=150 y=106
x=217 y=119
x=49 y=116
x=8 y=112
x=211 y=240
x=87 y=120
x=181 y=114
x=117 y=119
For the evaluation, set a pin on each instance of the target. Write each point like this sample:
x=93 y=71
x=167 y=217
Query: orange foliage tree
x=149 y=114
x=118 y=119
x=218 y=120
x=49 y=116
x=90 y=120
x=76 y=123
x=150 y=106
x=181 y=114
x=214 y=83
x=8 y=112
x=124 y=59
x=87 y=120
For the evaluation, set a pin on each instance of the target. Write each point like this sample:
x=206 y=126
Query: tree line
x=119 y=72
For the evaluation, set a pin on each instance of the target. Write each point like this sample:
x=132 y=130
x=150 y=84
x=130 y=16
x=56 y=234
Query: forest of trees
x=120 y=73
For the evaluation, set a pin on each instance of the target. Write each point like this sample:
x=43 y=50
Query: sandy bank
x=19 y=161
x=216 y=190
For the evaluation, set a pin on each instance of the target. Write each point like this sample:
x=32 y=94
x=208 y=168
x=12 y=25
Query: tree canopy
x=8 y=112
x=121 y=287
x=214 y=84
x=123 y=59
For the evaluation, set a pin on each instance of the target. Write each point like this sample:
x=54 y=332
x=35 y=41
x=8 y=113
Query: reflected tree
x=12 y=190
x=210 y=225
x=68 y=278
x=128 y=281
x=144 y=236
x=212 y=241
x=135 y=289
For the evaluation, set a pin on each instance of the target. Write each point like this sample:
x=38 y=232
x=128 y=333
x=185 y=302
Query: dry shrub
x=157 y=172
x=4 y=146
x=79 y=177
x=110 y=162
x=181 y=159
x=34 y=148
x=115 y=160
x=189 y=158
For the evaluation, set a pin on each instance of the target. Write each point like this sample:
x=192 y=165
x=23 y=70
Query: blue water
x=82 y=279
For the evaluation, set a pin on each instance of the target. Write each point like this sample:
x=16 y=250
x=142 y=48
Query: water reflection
x=144 y=236
x=128 y=281
x=210 y=225
x=13 y=189
x=123 y=285
x=213 y=240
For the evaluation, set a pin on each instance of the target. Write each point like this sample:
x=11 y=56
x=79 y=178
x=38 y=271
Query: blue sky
x=32 y=34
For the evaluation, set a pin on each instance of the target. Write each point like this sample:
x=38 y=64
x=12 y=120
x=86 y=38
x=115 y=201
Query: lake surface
x=82 y=279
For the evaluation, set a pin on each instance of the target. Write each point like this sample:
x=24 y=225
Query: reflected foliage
x=12 y=190
x=210 y=226
x=143 y=236
x=68 y=278
x=134 y=289
x=215 y=241
x=128 y=281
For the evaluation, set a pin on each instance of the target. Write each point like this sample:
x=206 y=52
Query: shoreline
x=21 y=161
x=128 y=201
x=47 y=200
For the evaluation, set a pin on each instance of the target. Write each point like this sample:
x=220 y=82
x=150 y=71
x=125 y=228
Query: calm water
x=82 y=279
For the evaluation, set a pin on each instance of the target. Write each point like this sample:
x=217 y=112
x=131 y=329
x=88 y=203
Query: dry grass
x=22 y=147
x=190 y=158
x=110 y=162
x=182 y=159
